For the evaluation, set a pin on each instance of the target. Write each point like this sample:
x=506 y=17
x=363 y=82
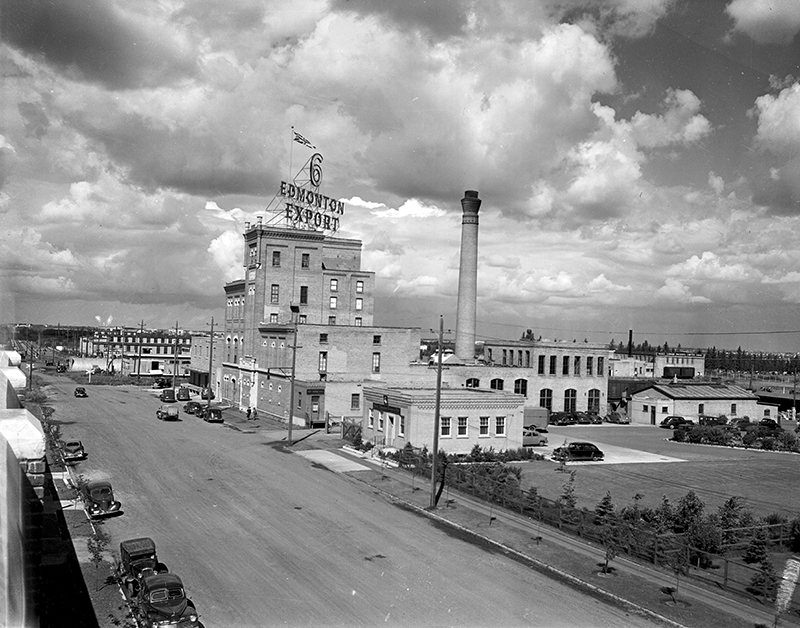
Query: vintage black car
x=193 y=407
x=80 y=391
x=167 y=395
x=162 y=601
x=673 y=422
x=168 y=412
x=73 y=451
x=138 y=560
x=563 y=418
x=578 y=451
x=98 y=499
x=211 y=415
x=182 y=394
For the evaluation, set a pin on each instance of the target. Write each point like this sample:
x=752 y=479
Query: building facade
x=136 y=351
x=691 y=400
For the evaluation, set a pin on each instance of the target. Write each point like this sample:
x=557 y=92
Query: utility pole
x=295 y=309
x=436 y=413
x=210 y=363
x=175 y=357
x=139 y=355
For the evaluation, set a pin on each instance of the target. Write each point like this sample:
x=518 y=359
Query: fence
x=666 y=549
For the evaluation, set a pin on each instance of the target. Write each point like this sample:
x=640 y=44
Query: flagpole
x=289 y=179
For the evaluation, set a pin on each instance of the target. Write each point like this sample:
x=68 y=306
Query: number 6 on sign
x=315 y=170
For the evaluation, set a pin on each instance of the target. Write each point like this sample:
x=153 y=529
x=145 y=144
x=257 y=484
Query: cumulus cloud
x=766 y=21
x=677 y=292
x=226 y=253
x=709 y=267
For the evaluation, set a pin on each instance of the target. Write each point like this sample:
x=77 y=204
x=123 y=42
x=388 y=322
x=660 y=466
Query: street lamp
x=295 y=311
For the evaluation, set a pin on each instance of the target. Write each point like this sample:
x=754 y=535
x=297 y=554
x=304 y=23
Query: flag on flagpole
x=301 y=140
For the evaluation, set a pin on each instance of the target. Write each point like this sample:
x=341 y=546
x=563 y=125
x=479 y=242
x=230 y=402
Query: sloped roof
x=683 y=390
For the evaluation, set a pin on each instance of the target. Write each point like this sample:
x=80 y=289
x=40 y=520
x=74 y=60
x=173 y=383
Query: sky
x=638 y=161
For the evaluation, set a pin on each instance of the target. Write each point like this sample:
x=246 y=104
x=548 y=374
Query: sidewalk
x=633 y=585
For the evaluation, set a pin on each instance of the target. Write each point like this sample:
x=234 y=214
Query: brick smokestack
x=467 y=277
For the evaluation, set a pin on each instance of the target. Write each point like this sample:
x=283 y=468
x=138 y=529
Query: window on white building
x=483 y=426
x=444 y=427
x=462 y=427
x=500 y=426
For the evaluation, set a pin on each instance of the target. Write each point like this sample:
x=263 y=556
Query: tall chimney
x=467 y=277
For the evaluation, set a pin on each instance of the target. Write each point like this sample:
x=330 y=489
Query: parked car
x=207 y=394
x=532 y=437
x=578 y=451
x=543 y=430
x=182 y=394
x=167 y=413
x=563 y=418
x=588 y=418
x=162 y=382
x=741 y=423
x=162 y=601
x=672 y=422
x=211 y=415
x=616 y=417
x=705 y=419
x=193 y=407
x=771 y=423
x=98 y=499
x=138 y=560
x=167 y=395
x=80 y=391
x=73 y=451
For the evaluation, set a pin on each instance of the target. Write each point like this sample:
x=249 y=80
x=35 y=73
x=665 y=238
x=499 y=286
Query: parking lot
x=642 y=460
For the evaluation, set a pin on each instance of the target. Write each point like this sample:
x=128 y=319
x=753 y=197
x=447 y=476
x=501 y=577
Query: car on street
x=167 y=395
x=705 y=419
x=162 y=601
x=588 y=418
x=617 y=417
x=98 y=499
x=207 y=394
x=532 y=437
x=73 y=451
x=210 y=415
x=80 y=391
x=563 y=418
x=138 y=560
x=578 y=451
x=167 y=412
x=193 y=407
x=672 y=422
x=182 y=394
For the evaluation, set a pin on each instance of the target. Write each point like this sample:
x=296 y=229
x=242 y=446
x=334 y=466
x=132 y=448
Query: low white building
x=692 y=399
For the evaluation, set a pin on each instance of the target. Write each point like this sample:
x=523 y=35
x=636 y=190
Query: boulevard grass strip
x=585 y=568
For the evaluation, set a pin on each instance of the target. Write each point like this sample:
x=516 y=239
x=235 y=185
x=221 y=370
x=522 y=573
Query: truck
x=137 y=560
x=167 y=412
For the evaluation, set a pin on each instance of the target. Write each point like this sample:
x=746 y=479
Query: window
x=376 y=362
x=251 y=290
x=496 y=384
x=334 y=285
x=323 y=339
x=323 y=361
x=376 y=340
x=371 y=419
x=462 y=427
x=733 y=409
x=334 y=301
x=665 y=410
x=483 y=426
x=500 y=426
x=600 y=371
x=444 y=427
x=473 y=382
x=273 y=317
x=645 y=408
x=701 y=408
x=381 y=421
x=355 y=401
x=305 y=261
x=552 y=365
x=589 y=365
x=401 y=425
x=253 y=253
x=331 y=320
x=359 y=287
x=576 y=365
x=303 y=295
x=359 y=305
x=541 y=365
x=302 y=318
x=565 y=365
x=546 y=399
x=504 y=357
x=594 y=400
x=274 y=293
x=570 y=397
x=521 y=387
x=527 y=359
x=276 y=258
x=358 y=321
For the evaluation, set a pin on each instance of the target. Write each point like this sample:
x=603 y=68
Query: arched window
x=473 y=382
x=570 y=395
x=546 y=398
x=235 y=349
x=594 y=400
x=496 y=384
x=521 y=386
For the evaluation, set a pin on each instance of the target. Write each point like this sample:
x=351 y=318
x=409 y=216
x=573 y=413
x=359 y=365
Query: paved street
x=265 y=537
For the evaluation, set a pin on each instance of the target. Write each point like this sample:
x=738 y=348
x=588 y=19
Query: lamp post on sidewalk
x=436 y=413
x=295 y=311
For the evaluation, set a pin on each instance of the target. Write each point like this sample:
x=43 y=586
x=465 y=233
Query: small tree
x=756 y=551
x=764 y=581
x=604 y=510
x=97 y=543
x=612 y=539
x=567 y=497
